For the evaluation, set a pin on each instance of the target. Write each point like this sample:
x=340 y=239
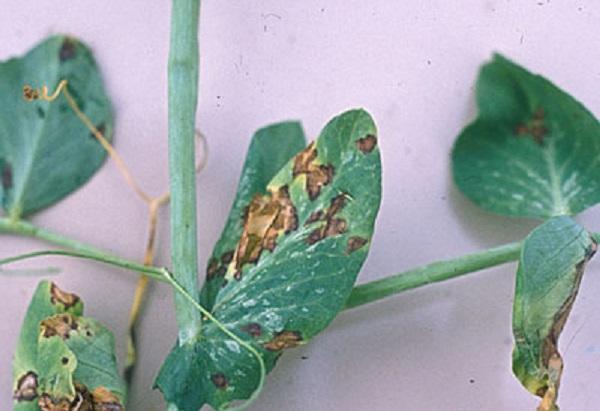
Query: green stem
x=362 y=294
x=432 y=273
x=26 y=229
x=153 y=272
x=183 y=96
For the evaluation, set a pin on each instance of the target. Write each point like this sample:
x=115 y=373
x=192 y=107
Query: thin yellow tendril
x=33 y=94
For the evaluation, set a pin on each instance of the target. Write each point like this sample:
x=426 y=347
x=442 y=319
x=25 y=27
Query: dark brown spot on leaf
x=26 y=387
x=317 y=175
x=48 y=403
x=219 y=380
x=337 y=203
x=60 y=325
x=367 y=143
x=105 y=400
x=355 y=243
x=266 y=218
x=535 y=127
x=29 y=93
x=58 y=296
x=333 y=226
x=226 y=257
x=82 y=401
x=315 y=236
x=7 y=176
x=67 y=50
x=284 y=340
x=212 y=268
x=64 y=360
x=253 y=329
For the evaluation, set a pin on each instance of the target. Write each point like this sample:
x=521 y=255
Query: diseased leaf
x=533 y=151
x=63 y=360
x=301 y=246
x=46 y=152
x=270 y=149
x=550 y=271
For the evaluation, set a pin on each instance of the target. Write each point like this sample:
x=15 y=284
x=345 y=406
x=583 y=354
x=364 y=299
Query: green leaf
x=46 y=152
x=533 y=151
x=550 y=271
x=294 y=265
x=271 y=148
x=63 y=358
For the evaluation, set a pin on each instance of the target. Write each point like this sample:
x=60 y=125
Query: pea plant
x=297 y=234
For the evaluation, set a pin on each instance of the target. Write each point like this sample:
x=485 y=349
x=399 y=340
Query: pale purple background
x=412 y=64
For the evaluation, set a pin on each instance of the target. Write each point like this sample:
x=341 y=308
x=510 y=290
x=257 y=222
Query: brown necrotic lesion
x=331 y=224
x=59 y=325
x=265 y=219
x=367 y=143
x=27 y=386
x=284 y=340
x=57 y=296
x=317 y=175
x=535 y=127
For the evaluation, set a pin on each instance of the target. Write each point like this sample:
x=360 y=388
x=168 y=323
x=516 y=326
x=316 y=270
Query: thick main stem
x=183 y=96
x=432 y=273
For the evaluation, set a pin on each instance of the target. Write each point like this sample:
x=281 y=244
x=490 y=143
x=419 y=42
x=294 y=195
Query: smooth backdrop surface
x=412 y=64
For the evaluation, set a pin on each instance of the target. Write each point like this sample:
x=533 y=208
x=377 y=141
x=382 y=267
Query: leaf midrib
x=560 y=205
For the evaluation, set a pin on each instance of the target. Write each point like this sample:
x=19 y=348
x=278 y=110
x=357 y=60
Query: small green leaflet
x=533 y=151
x=64 y=359
x=550 y=271
x=271 y=148
x=298 y=251
x=46 y=152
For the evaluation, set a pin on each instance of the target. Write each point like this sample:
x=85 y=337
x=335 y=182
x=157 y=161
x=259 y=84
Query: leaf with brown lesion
x=291 y=293
x=548 y=279
x=63 y=358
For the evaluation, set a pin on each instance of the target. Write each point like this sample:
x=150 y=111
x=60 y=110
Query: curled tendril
x=31 y=94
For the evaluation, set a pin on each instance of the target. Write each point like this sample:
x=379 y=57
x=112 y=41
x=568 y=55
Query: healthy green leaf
x=271 y=148
x=46 y=152
x=296 y=260
x=64 y=359
x=533 y=151
x=550 y=271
